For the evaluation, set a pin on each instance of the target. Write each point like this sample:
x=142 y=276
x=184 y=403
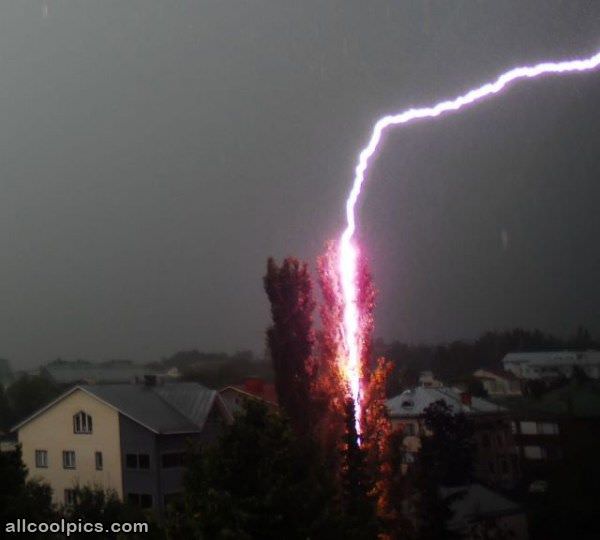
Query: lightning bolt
x=348 y=250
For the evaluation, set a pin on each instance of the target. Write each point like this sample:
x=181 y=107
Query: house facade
x=128 y=438
x=499 y=384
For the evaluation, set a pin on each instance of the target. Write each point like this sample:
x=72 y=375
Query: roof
x=553 y=358
x=578 y=399
x=110 y=372
x=490 y=373
x=169 y=408
x=477 y=502
x=413 y=402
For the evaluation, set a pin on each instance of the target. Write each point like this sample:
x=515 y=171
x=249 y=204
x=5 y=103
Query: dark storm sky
x=153 y=154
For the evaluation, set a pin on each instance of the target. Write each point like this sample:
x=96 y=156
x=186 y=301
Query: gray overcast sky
x=153 y=154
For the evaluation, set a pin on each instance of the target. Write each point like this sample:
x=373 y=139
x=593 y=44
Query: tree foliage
x=259 y=482
x=291 y=338
x=22 y=498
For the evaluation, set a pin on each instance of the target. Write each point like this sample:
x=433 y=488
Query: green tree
x=6 y=412
x=258 y=482
x=95 y=505
x=291 y=339
x=445 y=459
x=29 y=393
x=22 y=498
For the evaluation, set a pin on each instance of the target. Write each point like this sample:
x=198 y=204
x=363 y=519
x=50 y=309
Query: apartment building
x=495 y=462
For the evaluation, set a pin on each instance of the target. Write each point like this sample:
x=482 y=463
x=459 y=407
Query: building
x=479 y=512
x=64 y=372
x=252 y=388
x=499 y=383
x=128 y=438
x=550 y=364
x=496 y=462
x=427 y=379
x=556 y=428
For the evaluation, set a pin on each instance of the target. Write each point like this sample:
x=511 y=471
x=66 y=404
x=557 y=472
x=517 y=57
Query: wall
x=53 y=431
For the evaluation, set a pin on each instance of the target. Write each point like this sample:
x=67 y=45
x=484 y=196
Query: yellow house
x=127 y=438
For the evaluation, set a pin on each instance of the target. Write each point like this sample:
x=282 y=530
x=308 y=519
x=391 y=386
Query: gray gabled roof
x=475 y=502
x=413 y=402
x=169 y=408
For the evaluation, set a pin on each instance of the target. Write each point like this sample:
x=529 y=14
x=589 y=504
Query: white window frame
x=69 y=459
x=41 y=459
x=82 y=423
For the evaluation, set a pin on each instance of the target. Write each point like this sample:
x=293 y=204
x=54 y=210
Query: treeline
x=216 y=370
x=458 y=360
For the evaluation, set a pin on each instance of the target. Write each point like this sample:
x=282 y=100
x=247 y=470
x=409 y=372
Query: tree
x=444 y=460
x=357 y=497
x=29 y=393
x=291 y=338
x=6 y=413
x=95 y=505
x=22 y=498
x=259 y=482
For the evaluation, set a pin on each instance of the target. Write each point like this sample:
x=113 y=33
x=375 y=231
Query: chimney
x=465 y=398
x=255 y=386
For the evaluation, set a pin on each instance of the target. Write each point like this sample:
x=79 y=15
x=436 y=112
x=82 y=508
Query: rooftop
x=166 y=409
x=413 y=402
x=477 y=502
x=579 y=399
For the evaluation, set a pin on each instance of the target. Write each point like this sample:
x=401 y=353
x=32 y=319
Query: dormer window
x=82 y=423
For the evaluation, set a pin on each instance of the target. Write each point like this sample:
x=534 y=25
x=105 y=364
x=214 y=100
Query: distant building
x=427 y=380
x=253 y=388
x=84 y=372
x=499 y=383
x=552 y=429
x=479 y=512
x=549 y=364
x=130 y=438
x=496 y=462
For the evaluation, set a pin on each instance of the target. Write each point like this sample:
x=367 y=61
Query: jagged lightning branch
x=348 y=251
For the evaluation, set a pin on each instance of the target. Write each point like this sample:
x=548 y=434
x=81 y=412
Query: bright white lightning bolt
x=348 y=251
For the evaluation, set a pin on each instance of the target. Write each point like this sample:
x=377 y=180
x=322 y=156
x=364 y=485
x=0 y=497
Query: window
x=534 y=452
x=547 y=428
x=513 y=427
x=173 y=459
x=137 y=461
x=82 y=423
x=141 y=500
x=144 y=461
x=68 y=459
x=41 y=459
x=410 y=429
x=529 y=428
x=69 y=497
x=99 y=463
